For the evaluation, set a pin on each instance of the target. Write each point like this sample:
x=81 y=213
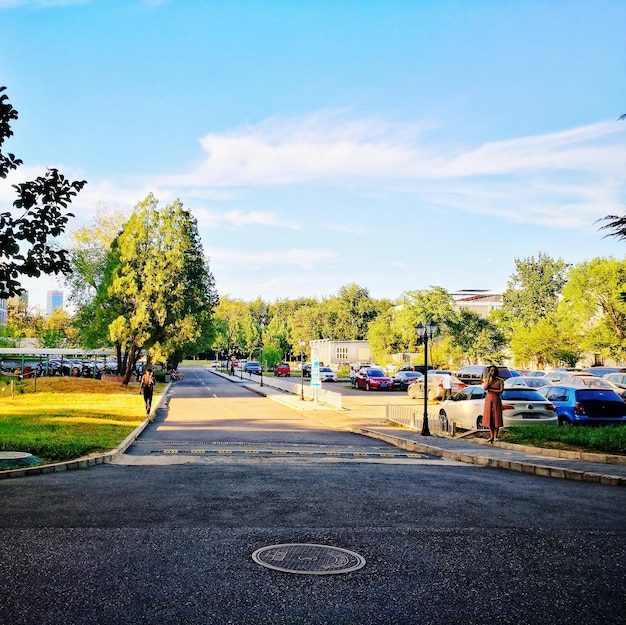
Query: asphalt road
x=166 y=535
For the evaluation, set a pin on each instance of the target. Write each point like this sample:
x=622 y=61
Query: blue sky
x=395 y=144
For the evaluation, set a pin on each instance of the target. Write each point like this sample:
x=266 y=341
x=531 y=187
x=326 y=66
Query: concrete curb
x=480 y=460
x=92 y=460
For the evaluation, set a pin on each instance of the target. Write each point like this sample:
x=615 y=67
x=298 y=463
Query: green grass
x=607 y=439
x=68 y=417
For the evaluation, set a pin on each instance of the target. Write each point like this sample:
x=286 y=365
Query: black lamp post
x=261 y=326
x=426 y=332
x=302 y=344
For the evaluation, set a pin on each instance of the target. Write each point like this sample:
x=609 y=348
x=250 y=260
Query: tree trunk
x=130 y=364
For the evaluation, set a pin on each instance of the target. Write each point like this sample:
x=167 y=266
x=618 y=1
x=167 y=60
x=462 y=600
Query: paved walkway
x=599 y=468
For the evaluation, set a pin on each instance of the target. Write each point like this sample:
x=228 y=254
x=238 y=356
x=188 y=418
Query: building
x=479 y=301
x=54 y=301
x=3 y=311
x=341 y=352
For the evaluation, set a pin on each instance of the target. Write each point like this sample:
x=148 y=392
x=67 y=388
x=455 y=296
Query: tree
x=594 y=308
x=27 y=239
x=233 y=327
x=534 y=288
x=89 y=249
x=163 y=287
x=477 y=338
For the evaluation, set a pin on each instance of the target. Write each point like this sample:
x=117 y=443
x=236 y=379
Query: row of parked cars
x=559 y=397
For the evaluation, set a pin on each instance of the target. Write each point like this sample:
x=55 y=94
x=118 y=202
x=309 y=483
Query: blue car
x=586 y=406
x=252 y=367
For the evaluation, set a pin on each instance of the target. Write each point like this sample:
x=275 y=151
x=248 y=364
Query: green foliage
x=270 y=357
x=27 y=239
x=533 y=291
x=478 y=339
x=594 y=307
x=162 y=288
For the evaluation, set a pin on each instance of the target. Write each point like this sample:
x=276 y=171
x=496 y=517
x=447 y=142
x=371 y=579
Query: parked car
x=371 y=379
x=474 y=374
x=591 y=381
x=520 y=406
x=215 y=364
x=602 y=371
x=306 y=370
x=282 y=368
x=327 y=375
x=586 y=406
x=527 y=381
x=556 y=375
x=435 y=386
x=619 y=379
x=419 y=368
x=403 y=379
x=535 y=374
x=252 y=367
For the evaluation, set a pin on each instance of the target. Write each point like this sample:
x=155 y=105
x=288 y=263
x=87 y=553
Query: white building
x=341 y=352
x=480 y=301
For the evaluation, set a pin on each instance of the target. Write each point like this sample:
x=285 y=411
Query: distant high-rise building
x=54 y=300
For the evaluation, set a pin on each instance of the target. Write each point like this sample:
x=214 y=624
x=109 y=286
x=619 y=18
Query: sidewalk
x=582 y=467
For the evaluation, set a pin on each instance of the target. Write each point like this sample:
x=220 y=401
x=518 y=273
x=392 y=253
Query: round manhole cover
x=17 y=459
x=308 y=559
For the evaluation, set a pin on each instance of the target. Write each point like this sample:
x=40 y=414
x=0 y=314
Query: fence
x=413 y=417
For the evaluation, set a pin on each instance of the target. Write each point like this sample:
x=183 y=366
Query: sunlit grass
x=68 y=417
x=606 y=439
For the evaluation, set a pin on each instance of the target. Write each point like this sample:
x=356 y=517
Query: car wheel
x=443 y=420
x=367 y=386
x=479 y=423
x=431 y=396
x=564 y=422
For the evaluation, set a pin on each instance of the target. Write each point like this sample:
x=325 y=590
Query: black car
x=475 y=374
x=306 y=370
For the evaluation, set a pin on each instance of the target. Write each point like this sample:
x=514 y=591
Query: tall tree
x=162 y=283
x=594 y=307
x=29 y=230
x=533 y=291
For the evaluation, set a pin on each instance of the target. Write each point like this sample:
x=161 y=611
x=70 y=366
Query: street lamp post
x=302 y=344
x=261 y=326
x=426 y=332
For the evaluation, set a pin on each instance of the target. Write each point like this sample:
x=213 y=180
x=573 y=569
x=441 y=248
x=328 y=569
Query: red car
x=372 y=379
x=282 y=368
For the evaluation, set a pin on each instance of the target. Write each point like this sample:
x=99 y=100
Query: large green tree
x=534 y=289
x=29 y=230
x=162 y=284
x=594 y=308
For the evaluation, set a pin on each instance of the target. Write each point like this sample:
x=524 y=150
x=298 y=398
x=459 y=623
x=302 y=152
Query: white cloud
x=302 y=258
x=237 y=219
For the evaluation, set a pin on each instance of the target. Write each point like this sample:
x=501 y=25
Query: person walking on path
x=146 y=384
x=492 y=410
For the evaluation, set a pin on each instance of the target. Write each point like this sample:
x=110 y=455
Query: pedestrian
x=446 y=384
x=492 y=409
x=232 y=367
x=146 y=384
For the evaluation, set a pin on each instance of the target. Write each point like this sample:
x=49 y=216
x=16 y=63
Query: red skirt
x=492 y=410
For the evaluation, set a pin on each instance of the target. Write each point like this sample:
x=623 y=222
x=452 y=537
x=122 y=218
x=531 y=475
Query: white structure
x=341 y=352
x=479 y=301
x=54 y=300
x=3 y=311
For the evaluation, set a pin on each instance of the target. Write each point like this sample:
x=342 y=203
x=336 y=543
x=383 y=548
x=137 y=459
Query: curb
x=92 y=460
x=483 y=461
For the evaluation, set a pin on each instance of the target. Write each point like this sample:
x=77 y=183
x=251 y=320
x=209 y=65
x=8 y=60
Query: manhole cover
x=17 y=459
x=308 y=559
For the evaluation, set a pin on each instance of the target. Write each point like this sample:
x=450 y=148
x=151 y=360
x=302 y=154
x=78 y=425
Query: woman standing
x=492 y=410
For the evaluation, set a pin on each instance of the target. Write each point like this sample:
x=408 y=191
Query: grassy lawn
x=68 y=417
x=608 y=439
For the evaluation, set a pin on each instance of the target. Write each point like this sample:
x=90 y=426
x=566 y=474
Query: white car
x=520 y=406
x=327 y=375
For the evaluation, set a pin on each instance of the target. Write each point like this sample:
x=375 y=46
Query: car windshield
x=522 y=394
x=375 y=373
